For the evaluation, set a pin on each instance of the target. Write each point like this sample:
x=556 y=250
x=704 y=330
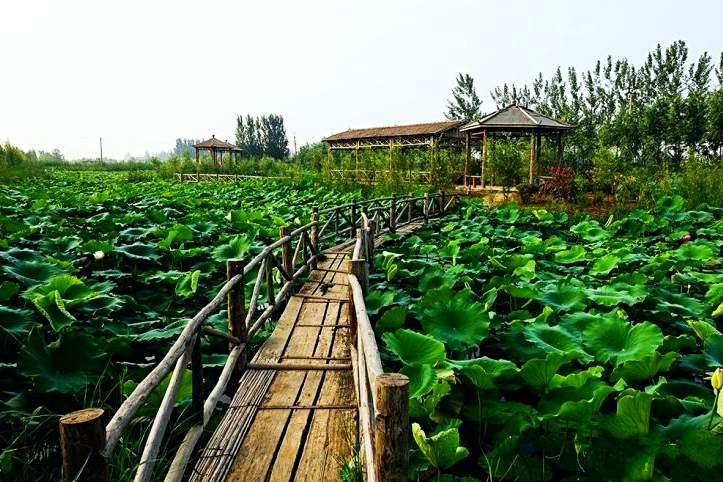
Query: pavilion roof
x=516 y=117
x=430 y=128
x=214 y=143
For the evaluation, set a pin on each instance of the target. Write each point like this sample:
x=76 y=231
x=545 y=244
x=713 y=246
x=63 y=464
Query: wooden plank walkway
x=294 y=415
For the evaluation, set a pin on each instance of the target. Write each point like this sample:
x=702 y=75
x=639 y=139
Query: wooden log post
x=237 y=311
x=82 y=439
x=352 y=314
x=442 y=202
x=426 y=208
x=314 y=234
x=393 y=214
x=286 y=253
x=410 y=209
x=391 y=428
x=353 y=214
x=197 y=380
x=360 y=269
x=370 y=244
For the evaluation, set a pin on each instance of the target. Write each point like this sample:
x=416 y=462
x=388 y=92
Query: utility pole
x=101 y=149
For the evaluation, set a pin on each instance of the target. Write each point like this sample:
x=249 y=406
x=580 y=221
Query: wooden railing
x=87 y=445
x=198 y=177
x=383 y=397
x=373 y=176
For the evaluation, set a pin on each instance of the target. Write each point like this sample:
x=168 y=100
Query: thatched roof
x=214 y=143
x=430 y=128
x=516 y=117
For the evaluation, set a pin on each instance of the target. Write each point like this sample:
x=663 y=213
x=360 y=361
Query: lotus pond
x=98 y=277
x=541 y=347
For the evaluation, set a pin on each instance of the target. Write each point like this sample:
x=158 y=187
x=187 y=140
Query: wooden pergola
x=433 y=135
x=217 y=147
x=517 y=121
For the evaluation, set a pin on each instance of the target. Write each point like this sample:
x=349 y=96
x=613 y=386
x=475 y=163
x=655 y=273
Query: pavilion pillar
x=484 y=159
x=538 y=152
x=558 y=156
x=493 y=176
x=467 y=152
x=533 y=159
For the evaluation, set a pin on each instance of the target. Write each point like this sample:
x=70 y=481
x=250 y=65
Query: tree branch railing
x=275 y=272
x=383 y=399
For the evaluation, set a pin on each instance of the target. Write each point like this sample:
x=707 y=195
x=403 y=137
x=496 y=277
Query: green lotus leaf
x=142 y=251
x=527 y=271
x=63 y=244
x=576 y=379
x=171 y=330
x=235 y=248
x=573 y=255
x=391 y=320
x=703 y=329
x=134 y=234
x=185 y=390
x=714 y=299
x=616 y=340
x=693 y=252
x=94 y=246
x=450 y=251
x=678 y=304
x=442 y=449
x=556 y=339
x=188 y=284
x=701 y=446
x=563 y=297
x=604 y=265
x=8 y=289
x=176 y=235
x=645 y=368
x=677 y=343
x=16 y=324
x=613 y=295
x=68 y=365
x=538 y=373
x=54 y=298
x=713 y=351
x=436 y=278
x=578 y=404
x=506 y=215
x=460 y=322
x=483 y=372
x=669 y=204
x=590 y=231
x=421 y=379
x=376 y=300
x=414 y=348
x=32 y=273
x=632 y=417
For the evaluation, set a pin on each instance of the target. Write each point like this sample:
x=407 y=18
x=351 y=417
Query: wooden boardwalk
x=293 y=422
x=295 y=413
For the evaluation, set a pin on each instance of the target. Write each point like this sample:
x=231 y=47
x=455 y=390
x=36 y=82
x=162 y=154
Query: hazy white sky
x=141 y=73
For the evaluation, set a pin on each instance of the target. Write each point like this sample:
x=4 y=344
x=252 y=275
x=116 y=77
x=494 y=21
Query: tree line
x=262 y=136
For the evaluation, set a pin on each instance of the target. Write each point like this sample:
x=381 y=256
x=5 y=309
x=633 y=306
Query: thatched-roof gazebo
x=217 y=147
x=514 y=120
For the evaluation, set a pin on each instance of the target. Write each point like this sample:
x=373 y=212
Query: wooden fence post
x=237 y=310
x=352 y=312
x=425 y=208
x=393 y=214
x=442 y=202
x=197 y=380
x=360 y=269
x=82 y=439
x=353 y=218
x=391 y=428
x=286 y=253
x=410 y=213
x=314 y=233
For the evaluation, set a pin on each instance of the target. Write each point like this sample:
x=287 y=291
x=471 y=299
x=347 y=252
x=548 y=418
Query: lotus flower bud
x=717 y=379
x=99 y=255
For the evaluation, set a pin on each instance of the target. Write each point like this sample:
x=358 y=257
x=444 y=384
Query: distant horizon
x=79 y=71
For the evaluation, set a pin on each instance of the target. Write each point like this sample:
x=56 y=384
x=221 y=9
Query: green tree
x=273 y=136
x=465 y=104
x=248 y=137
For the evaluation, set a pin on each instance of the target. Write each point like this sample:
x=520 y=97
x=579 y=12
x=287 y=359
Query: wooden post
x=197 y=381
x=467 y=157
x=315 y=232
x=353 y=214
x=484 y=158
x=393 y=214
x=286 y=253
x=82 y=439
x=533 y=144
x=410 y=208
x=352 y=313
x=426 y=208
x=237 y=310
x=442 y=202
x=559 y=150
x=360 y=269
x=391 y=428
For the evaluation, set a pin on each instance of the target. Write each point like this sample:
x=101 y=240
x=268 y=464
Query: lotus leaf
x=421 y=379
x=414 y=348
x=391 y=319
x=644 y=368
x=441 y=449
x=146 y=252
x=604 y=265
x=613 y=295
x=8 y=290
x=563 y=297
x=632 y=417
x=538 y=373
x=459 y=322
x=188 y=284
x=573 y=255
x=556 y=339
x=67 y=365
x=616 y=340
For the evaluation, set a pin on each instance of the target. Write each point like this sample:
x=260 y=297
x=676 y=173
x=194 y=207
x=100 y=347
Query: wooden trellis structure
x=433 y=135
x=517 y=121
x=217 y=148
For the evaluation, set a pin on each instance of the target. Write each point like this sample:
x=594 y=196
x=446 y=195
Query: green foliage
x=594 y=343
x=465 y=105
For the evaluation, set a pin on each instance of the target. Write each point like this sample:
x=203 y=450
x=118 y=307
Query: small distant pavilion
x=517 y=121
x=217 y=148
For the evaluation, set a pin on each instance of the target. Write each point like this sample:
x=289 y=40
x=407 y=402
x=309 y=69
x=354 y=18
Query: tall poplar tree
x=465 y=104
